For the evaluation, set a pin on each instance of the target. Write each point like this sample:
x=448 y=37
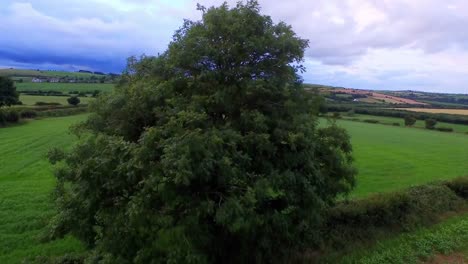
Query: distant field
x=41 y=73
x=438 y=111
x=65 y=87
x=390 y=158
x=26 y=184
x=419 y=124
x=30 y=100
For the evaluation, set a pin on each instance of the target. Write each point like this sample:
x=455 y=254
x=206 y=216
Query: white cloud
x=384 y=43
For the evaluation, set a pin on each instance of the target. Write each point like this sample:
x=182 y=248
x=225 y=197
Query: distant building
x=37 y=80
x=54 y=80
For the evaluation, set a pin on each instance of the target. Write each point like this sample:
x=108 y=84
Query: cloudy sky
x=374 y=44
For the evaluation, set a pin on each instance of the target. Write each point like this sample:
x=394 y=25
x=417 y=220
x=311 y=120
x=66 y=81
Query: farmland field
x=438 y=111
x=419 y=123
x=390 y=158
x=65 y=87
x=30 y=100
x=26 y=184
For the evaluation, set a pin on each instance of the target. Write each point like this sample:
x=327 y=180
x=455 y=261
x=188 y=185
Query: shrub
x=336 y=115
x=2 y=117
x=459 y=186
x=410 y=120
x=73 y=100
x=350 y=113
x=430 y=123
x=26 y=113
x=62 y=112
x=445 y=129
x=8 y=94
x=46 y=103
x=395 y=124
x=372 y=121
x=11 y=116
x=361 y=220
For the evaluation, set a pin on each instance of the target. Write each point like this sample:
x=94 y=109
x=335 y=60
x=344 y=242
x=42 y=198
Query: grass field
x=438 y=111
x=30 y=100
x=390 y=158
x=419 y=124
x=65 y=87
x=26 y=183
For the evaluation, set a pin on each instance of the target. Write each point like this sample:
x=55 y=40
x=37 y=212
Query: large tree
x=210 y=152
x=8 y=94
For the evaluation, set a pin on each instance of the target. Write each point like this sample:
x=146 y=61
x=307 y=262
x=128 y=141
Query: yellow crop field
x=438 y=111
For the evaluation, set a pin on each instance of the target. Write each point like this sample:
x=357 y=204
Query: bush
x=410 y=120
x=73 y=100
x=46 y=103
x=430 y=123
x=459 y=186
x=350 y=113
x=8 y=94
x=445 y=129
x=395 y=124
x=11 y=116
x=62 y=112
x=361 y=220
x=372 y=121
x=26 y=113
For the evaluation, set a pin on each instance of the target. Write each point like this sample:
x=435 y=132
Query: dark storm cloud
x=379 y=43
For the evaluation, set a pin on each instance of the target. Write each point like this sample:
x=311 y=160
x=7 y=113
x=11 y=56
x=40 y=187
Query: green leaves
x=208 y=152
x=8 y=94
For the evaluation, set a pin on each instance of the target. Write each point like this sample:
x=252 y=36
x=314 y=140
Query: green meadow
x=31 y=100
x=419 y=123
x=26 y=184
x=388 y=158
x=65 y=87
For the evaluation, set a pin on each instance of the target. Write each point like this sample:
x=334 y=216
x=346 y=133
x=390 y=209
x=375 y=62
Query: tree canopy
x=73 y=100
x=8 y=94
x=430 y=123
x=410 y=120
x=210 y=152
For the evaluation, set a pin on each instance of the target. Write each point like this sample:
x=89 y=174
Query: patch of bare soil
x=455 y=258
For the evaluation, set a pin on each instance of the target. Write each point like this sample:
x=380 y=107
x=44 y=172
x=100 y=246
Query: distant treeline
x=452 y=99
x=453 y=119
x=97 y=73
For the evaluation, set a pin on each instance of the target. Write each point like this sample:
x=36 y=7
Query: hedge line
x=62 y=112
x=454 y=119
x=362 y=221
x=8 y=116
x=14 y=115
